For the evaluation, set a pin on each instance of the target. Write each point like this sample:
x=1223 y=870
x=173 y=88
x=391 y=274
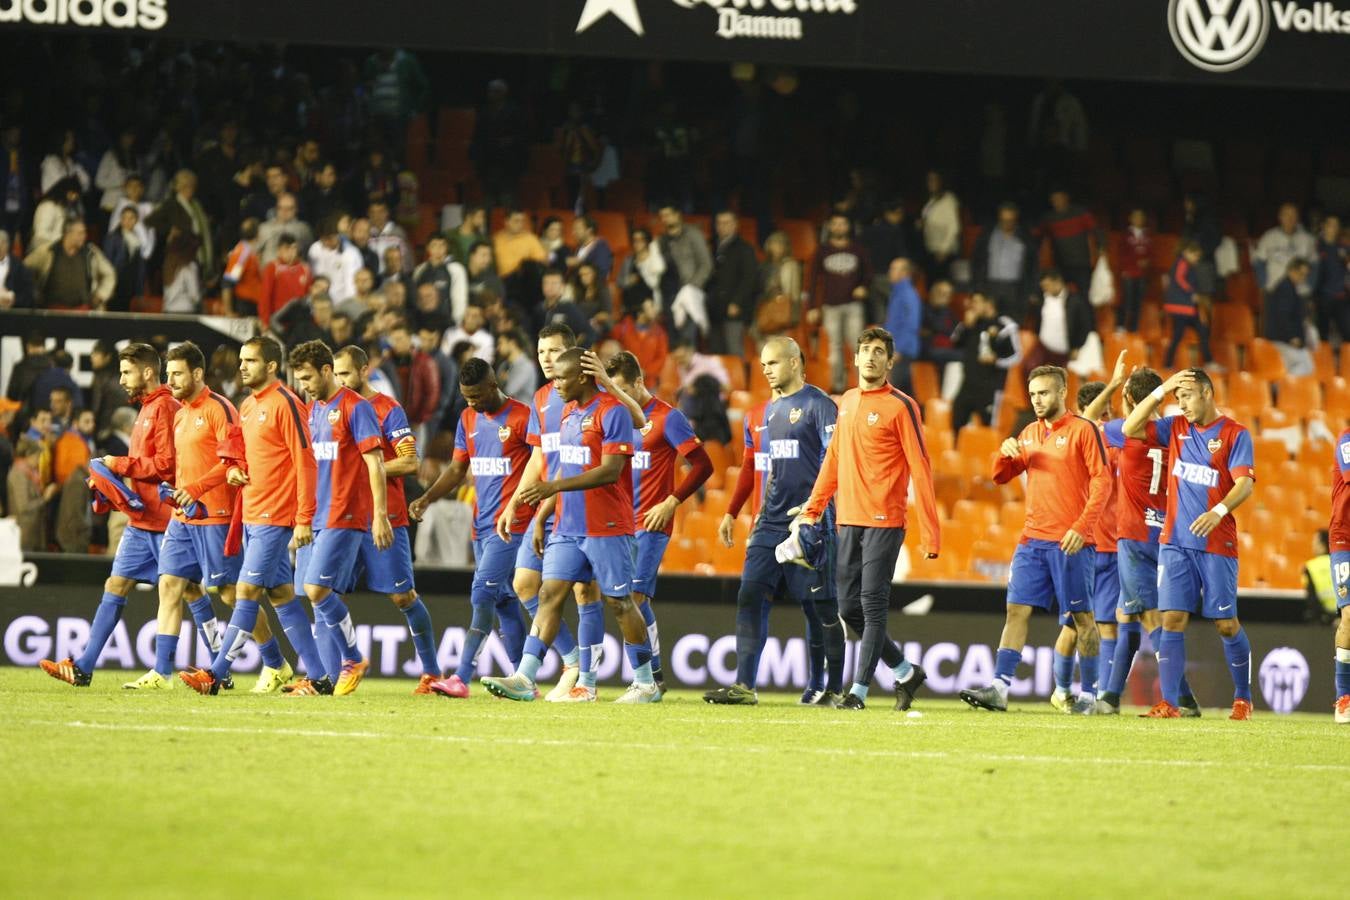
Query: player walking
x=1338 y=540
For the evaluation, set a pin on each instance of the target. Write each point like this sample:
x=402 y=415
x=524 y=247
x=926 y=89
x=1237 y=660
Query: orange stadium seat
x=1298 y=397
x=1264 y=360
x=979 y=442
x=938 y=413
x=1247 y=390
x=736 y=369
x=803 y=237
x=926 y=384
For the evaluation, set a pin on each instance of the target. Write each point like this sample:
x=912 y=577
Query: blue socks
x=1238 y=651
x=533 y=657
x=208 y=626
x=640 y=657
x=512 y=626
x=1107 y=663
x=1171 y=664
x=1005 y=665
x=337 y=617
x=815 y=644
x=295 y=622
x=1088 y=667
x=565 y=643
x=858 y=690
x=653 y=635
x=1342 y=672
x=591 y=638
x=105 y=620
x=479 y=626
x=1063 y=669
x=166 y=645
x=1155 y=638
x=1131 y=635
x=271 y=653
x=237 y=633
x=423 y=636
x=751 y=613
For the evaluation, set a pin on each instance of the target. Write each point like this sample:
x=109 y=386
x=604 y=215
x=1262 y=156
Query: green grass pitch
x=110 y=794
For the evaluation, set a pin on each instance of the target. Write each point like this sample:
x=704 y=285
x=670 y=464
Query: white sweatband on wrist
x=1158 y=394
x=1220 y=510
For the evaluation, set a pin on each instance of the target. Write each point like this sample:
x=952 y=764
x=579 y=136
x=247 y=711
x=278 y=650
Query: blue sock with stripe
x=1063 y=670
x=339 y=618
x=271 y=653
x=1238 y=651
x=1342 y=672
x=532 y=658
x=105 y=620
x=237 y=634
x=653 y=635
x=591 y=638
x=512 y=626
x=564 y=641
x=640 y=658
x=166 y=645
x=295 y=622
x=1106 y=664
x=1005 y=665
x=208 y=626
x=1088 y=666
x=423 y=636
x=479 y=626
x=1127 y=645
x=1184 y=692
x=1171 y=664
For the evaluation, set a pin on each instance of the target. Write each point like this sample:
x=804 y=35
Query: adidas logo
x=150 y=15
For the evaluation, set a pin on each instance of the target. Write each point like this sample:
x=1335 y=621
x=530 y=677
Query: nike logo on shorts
x=816 y=590
x=1222 y=608
x=253 y=574
x=488 y=583
x=325 y=576
x=400 y=583
x=619 y=587
x=217 y=574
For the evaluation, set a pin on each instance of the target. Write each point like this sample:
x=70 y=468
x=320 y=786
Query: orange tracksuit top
x=149 y=459
x=200 y=426
x=281 y=468
x=1068 y=479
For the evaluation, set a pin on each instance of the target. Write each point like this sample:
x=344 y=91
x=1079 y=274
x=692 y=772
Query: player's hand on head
x=1010 y=448
x=1072 y=542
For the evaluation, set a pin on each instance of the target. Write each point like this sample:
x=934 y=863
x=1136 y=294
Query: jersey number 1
x=1156 y=455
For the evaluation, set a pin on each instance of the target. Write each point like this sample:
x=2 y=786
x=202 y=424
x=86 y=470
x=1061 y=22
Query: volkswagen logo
x=1219 y=35
x=1284 y=679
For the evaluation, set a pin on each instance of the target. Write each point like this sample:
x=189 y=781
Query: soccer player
x=149 y=462
x=490 y=443
x=194 y=543
x=390 y=572
x=1067 y=484
x=665 y=438
x=798 y=425
x=1213 y=472
x=545 y=423
x=1141 y=503
x=1338 y=540
x=592 y=538
x=277 y=478
x=877 y=446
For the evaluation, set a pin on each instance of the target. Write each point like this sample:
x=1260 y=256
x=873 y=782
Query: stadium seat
x=938 y=413
x=803 y=237
x=925 y=381
x=1298 y=397
x=1233 y=322
x=613 y=227
x=1247 y=390
x=456 y=122
x=1338 y=403
x=938 y=440
x=979 y=442
x=1264 y=360
x=1013 y=516
x=1324 y=362
x=736 y=369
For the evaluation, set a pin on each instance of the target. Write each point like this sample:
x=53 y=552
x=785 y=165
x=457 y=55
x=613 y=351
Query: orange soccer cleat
x=201 y=681
x=307 y=688
x=1242 y=710
x=1343 y=709
x=66 y=671
x=352 y=673
x=424 y=685
x=1162 y=710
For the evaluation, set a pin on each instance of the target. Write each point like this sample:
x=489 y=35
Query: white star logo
x=626 y=10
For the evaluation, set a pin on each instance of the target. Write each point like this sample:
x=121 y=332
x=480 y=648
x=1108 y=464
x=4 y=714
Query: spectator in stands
x=940 y=222
x=990 y=345
x=426 y=306
x=375 y=178
x=386 y=235
x=500 y=144
x=1058 y=121
x=641 y=333
x=218 y=163
x=430 y=331
x=283 y=279
x=242 y=281
x=342 y=329
x=105 y=392
x=61 y=163
x=17 y=195
x=59 y=206
x=904 y=320
x=473 y=328
x=276 y=184
x=685 y=251
x=117 y=441
x=1004 y=263
x=122 y=247
x=366 y=299
x=482 y=274
x=1074 y=239
x=1136 y=259
x=642 y=271
x=732 y=289
x=189 y=255
x=1186 y=306
x=935 y=335
x=117 y=164
x=558 y=309
x=398 y=91
x=551 y=238
x=690 y=365
x=472 y=230
x=448 y=275
x=888 y=238
x=1062 y=320
x=322 y=198
x=75 y=447
x=590 y=294
x=25 y=372
x=839 y=283
x=284 y=222
x=16 y=282
x=516 y=370
x=1286 y=318
x=337 y=260
x=1330 y=290
x=1200 y=224
x=580 y=150
x=780 y=286
x=133 y=196
x=415 y=375
x=591 y=247
x=1279 y=246
x=306 y=319
x=360 y=239
x=72 y=273
x=516 y=244
x=394 y=271
x=61 y=397
x=28 y=496
x=307 y=163
x=702 y=394
x=671 y=168
x=8 y=410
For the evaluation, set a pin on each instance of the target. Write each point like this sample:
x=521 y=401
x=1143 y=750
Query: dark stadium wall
x=1291 y=664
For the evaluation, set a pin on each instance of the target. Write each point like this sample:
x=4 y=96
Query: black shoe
x=661 y=686
x=905 y=690
x=809 y=697
x=829 y=699
x=736 y=695
x=851 y=701
x=986 y=698
x=227 y=683
x=324 y=686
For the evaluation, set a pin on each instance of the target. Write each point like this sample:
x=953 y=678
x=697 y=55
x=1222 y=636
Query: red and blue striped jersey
x=546 y=412
x=1339 y=532
x=1141 y=494
x=755 y=439
x=1205 y=464
x=602 y=427
x=398 y=440
x=1105 y=534
x=497 y=450
x=664 y=439
x=341 y=430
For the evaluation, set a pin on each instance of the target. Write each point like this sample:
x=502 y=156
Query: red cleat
x=200 y=680
x=1242 y=710
x=1162 y=710
x=453 y=686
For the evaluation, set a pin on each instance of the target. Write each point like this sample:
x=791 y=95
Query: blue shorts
x=388 y=571
x=1138 y=565
x=1106 y=587
x=267 y=556
x=786 y=579
x=1197 y=582
x=138 y=555
x=494 y=566
x=197 y=553
x=1340 y=577
x=607 y=560
x=526 y=558
x=1045 y=577
x=649 y=548
x=330 y=560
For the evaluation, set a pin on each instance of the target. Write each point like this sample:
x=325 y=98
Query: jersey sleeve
x=1005 y=469
x=365 y=427
x=680 y=434
x=1099 y=480
x=1242 y=458
x=398 y=433
x=157 y=465
x=748 y=434
x=296 y=433
x=535 y=431
x=617 y=425
x=827 y=415
x=1115 y=433
x=1159 y=431
x=921 y=475
x=462 y=439
x=1343 y=456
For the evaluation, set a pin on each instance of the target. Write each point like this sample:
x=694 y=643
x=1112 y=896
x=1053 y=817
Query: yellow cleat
x=271 y=680
x=352 y=673
x=1062 y=700
x=150 y=681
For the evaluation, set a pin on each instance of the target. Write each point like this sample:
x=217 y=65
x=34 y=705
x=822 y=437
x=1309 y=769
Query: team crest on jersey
x=587 y=422
x=333 y=416
x=1214 y=445
x=200 y=422
x=795 y=415
x=262 y=415
x=873 y=418
x=1061 y=441
x=646 y=429
x=503 y=433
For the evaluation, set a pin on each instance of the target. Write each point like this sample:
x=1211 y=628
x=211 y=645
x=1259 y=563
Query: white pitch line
x=708 y=748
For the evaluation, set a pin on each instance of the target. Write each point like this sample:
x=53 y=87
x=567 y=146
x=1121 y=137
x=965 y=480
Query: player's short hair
x=877 y=334
x=1142 y=383
x=1049 y=372
x=626 y=365
x=312 y=353
x=142 y=355
x=1089 y=391
x=571 y=355
x=268 y=348
x=561 y=330
x=474 y=372
x=1202 y=378
x=189 y=353
x=355 y=354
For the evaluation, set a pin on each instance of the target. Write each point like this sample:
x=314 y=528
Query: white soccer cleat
x=579 y=694
x=566 y=681
x=271 y=680
x=1343 y=709
x=1062 y=700
x=1107 y=709
x=150 y=681
x=640 y=693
